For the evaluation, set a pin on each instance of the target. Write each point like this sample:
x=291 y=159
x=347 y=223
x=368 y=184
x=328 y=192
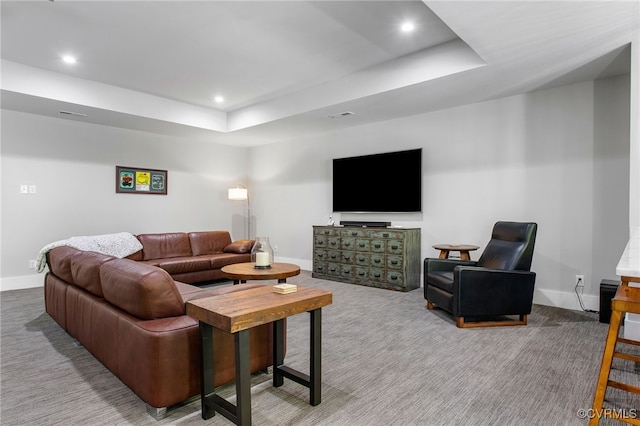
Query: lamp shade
x=238 y=193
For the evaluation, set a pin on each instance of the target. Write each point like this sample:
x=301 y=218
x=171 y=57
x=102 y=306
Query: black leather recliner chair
x=500 y=283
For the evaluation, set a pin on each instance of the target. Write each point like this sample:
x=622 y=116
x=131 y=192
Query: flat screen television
x=386 y=183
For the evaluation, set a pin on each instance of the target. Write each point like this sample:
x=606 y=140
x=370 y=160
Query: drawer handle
x=394 y=247
x=347 y=244
x=361 y=245
x=376 y=261
x=320 y=243
x=354 y=233
x=394 y=262
x=377 y=246
x=347 y=258
x=346 y=272
x=320 y=254
x=333 y=243
x=332 y=269
x=393 y=277
x=385 y=235
x=361 y=274
x=376 y=275
x=326 y=232
x=361 y=259
x=333 y=256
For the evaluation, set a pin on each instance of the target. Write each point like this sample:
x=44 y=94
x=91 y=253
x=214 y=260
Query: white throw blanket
x=119 y=245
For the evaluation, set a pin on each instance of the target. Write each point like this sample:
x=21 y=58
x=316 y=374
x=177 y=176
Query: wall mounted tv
x=386 y=183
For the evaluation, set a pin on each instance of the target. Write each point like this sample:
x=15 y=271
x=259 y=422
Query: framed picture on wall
x=135 y=180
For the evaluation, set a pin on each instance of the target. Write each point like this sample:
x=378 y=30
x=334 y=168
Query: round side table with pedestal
x=464 y=250
x=241 y=272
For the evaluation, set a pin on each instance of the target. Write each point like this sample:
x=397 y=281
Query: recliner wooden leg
x=460 y=323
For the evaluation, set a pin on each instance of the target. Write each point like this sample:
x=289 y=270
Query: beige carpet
x=386 y=361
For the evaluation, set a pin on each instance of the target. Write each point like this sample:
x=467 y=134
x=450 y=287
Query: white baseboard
x=37 y=280
x=565 y=300
x=21 y=282
x=560 y=299
x=305 y=265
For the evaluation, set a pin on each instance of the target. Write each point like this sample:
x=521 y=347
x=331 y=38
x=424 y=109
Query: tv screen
x=386 y=183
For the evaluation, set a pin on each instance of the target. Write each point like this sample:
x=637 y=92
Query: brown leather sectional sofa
x=192 y=257
x=131 y=315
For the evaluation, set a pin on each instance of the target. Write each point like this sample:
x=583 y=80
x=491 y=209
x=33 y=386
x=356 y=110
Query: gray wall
x=559 y=157
x=73 y=164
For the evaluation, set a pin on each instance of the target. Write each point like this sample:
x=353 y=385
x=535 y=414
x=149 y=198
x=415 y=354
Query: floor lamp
x=240 y=193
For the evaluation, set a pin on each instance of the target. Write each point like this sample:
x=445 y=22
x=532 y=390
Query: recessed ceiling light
x=341 y=114
x=218 y=99
x=68 y=59
x=407 y=27
x=74 y=114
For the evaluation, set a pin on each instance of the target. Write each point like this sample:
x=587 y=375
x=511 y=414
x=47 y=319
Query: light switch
x=24 y=189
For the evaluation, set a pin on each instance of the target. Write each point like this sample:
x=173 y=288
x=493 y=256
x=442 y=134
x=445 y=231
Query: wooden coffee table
x=241 y=272
x=238 y=312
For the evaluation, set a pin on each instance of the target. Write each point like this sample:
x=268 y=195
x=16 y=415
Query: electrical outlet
x=275 y=249
x=32 y=264
x=580 y=280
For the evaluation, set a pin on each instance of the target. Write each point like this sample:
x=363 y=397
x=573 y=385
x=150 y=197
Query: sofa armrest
x=481 y=291
x=239 y=247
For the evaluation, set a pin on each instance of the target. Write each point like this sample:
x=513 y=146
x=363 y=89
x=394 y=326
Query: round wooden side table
x=241 y=272
x=464 y=250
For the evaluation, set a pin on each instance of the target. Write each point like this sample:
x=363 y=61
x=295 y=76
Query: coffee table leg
x=282 y=280
x=243 y=378
x=206 y=362
x=315 y=376
x=278 y=352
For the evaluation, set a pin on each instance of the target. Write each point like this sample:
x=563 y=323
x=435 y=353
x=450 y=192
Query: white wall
x=73 y=164
x=634 y=190
x=611 y=115
x=559 y=157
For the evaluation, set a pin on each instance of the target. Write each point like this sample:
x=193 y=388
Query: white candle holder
x=262 y=253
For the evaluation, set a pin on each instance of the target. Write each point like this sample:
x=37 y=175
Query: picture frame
x=136 y=180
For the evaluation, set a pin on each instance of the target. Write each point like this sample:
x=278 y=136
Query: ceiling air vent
x=341 y=114
x=71 y=113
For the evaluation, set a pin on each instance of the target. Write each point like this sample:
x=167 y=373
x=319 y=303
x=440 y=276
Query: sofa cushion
x=59 y=261
x=141 y=290
x=188 y=291
x=136 y=256
x=224 y=259
x=209 y=242
x=85 y=270
x=180 y=265
x=240 y=247
x=163 y=246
